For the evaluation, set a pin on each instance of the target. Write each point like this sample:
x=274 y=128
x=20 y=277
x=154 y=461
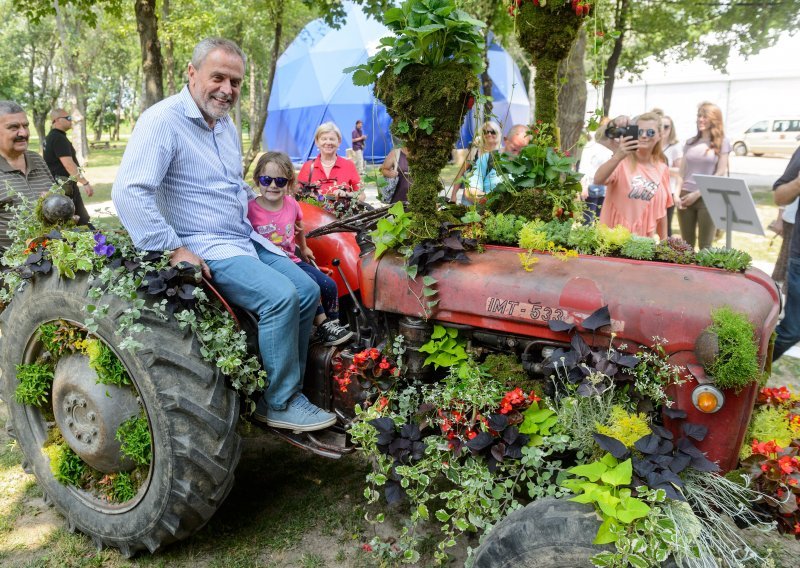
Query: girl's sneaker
x=331 y=333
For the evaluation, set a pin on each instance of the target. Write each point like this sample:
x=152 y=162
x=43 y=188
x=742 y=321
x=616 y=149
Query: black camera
x=621 y=131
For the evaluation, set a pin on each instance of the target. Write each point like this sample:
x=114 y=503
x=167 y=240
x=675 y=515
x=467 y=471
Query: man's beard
x=212 y=110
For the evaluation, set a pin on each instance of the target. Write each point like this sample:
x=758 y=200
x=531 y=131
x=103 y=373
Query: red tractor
x=192 y=413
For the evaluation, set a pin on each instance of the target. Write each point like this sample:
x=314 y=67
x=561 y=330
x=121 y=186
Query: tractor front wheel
x=190 y=412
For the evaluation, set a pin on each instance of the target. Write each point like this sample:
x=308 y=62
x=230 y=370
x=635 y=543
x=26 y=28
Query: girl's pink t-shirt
x=277 y=226
x=636 y=198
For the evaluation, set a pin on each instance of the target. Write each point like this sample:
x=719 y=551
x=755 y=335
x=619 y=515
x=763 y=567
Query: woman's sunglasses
x=492 y=132
x=649 y=132
x=265 y=181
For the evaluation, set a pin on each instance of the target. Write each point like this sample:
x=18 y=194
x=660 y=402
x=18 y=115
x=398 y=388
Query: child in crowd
x=277 y=217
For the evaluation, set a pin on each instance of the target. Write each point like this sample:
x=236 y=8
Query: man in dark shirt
x=59 y=153
x=787 y=188
x=358 y=138
x=22 y=172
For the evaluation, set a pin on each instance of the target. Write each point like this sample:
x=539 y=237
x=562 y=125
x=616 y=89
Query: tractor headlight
x=707 y=399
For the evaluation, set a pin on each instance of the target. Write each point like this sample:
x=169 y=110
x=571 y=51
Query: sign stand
x=730 y=205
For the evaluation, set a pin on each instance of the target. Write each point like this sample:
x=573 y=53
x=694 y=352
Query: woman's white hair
x=326 y=127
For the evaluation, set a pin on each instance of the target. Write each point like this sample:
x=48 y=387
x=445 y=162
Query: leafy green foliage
x=122 y=487
x=537 y=423
x=60 y=337
x=134 y=435
x=428 y=32
x=74 y=252
x=645 y=541
x=66 y=465
x=109 y=369
x=639 y=248
x=444 y=348
x=605 y=485
x=675 y=249
x=733 y=260
x=35 y=382
x=583 y=238
x=391 y=231
x=445 y=449
x=736 y=365
x=503 y=228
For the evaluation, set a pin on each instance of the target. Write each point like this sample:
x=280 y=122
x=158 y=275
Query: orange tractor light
x=708 y=399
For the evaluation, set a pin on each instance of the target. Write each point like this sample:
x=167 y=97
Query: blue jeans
x=285 y=299
x=789 y=328
x=327 y=288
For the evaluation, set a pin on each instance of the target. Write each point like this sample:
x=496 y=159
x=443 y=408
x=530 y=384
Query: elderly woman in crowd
x=330 y=173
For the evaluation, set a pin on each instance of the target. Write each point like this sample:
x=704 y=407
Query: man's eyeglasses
x=265 y=181
x=649 y=132
x=488 y=132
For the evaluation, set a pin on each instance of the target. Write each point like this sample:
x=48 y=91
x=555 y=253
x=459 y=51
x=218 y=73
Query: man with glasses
x=22 y=172
x=180 y=189
x=59 y=153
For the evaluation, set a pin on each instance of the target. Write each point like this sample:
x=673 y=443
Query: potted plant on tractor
x=425 y=75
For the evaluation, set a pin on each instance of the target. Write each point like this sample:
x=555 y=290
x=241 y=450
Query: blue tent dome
x=310 y=88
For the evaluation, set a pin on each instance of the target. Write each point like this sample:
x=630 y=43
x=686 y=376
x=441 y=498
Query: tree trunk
x=486 y=80
x=152 y=64
x=620 y=22
x=74 y=89
x=531 y=91
x=169 y=55
x=118 y=110
x=260 y=118
x=572 y=96
x=98 y=119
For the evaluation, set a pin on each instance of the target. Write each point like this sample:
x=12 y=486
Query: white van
x=773 y=136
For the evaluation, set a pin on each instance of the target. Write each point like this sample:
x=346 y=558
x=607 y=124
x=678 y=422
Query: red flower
x=384 y=364
x=797 y=528
x=366 y=547
x=471 y=99
x=374 y=354
x=787 y=464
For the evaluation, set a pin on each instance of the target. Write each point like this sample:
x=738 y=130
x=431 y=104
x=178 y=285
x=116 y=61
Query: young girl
x=277 y=216
x=637 y=182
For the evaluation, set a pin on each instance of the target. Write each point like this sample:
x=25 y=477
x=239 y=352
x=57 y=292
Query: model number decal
x=535 y=311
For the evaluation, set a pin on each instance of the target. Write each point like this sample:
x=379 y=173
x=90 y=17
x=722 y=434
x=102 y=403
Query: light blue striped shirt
x=180 y=184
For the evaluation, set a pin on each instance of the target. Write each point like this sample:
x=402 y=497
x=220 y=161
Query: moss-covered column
x=547 y=34
x=413 y=97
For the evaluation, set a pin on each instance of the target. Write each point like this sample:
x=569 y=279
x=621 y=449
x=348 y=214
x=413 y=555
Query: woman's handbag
x=390 y=183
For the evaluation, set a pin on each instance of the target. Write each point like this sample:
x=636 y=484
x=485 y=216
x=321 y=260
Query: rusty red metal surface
x=327 y=247
x=645 y=300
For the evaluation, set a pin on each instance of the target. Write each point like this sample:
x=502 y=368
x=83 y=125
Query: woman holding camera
x=636 y=179
x=706 y=153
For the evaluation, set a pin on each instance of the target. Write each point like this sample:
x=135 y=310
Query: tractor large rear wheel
x=190 y=411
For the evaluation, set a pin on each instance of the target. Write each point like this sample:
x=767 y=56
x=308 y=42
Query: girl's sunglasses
x=649 y=132
x=267 y=180
x=488 y=132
